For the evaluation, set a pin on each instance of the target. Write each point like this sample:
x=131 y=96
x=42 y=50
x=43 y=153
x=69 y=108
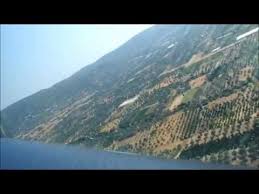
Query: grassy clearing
x=188 y=95
x=257 y=85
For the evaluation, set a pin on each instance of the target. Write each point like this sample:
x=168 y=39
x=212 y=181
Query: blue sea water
x=19 y=154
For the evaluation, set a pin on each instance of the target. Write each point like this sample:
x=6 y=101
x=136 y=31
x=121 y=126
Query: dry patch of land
x=167 y=81
x=165 y=135
x=199 y=81
x=45 y=128
x=195 y=58
x=154 y=139
x=221 y=101
x=164 y=83
x=110 y=126
x=176 y=102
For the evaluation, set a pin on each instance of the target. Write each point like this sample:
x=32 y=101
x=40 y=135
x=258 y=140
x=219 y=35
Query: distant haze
x=35 y=57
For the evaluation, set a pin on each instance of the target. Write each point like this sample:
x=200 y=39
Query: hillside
x=174 y=91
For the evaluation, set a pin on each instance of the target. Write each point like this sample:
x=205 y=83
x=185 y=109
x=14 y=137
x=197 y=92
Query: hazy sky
x=34 y=57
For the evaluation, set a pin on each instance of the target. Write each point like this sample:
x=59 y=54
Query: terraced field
x=214 y=111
